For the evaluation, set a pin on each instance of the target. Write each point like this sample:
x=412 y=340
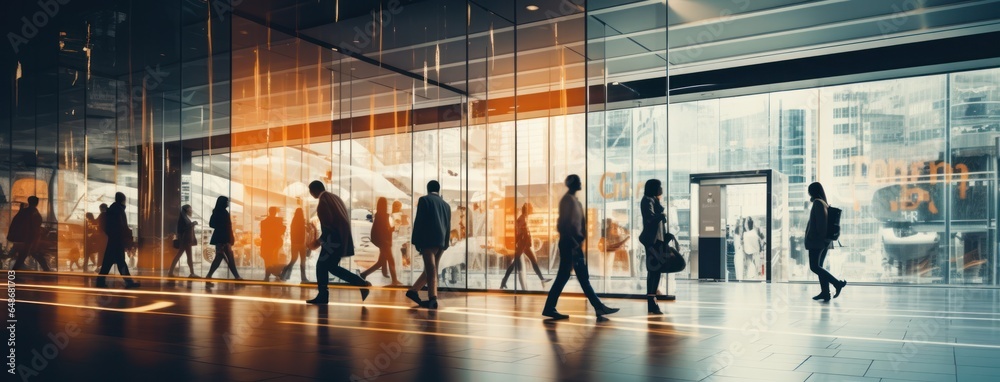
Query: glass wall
x=911 y=161
x=499 y=103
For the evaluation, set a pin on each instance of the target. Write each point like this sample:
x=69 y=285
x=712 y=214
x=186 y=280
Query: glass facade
x=218 y=101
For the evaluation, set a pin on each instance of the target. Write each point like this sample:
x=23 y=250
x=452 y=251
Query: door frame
x=766 y=176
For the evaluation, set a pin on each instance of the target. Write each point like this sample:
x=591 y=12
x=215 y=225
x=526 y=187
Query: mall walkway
x=714 y=332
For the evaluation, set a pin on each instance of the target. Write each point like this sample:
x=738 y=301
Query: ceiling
x=280 y=66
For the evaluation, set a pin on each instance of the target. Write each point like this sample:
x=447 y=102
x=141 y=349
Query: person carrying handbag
x=660 y=258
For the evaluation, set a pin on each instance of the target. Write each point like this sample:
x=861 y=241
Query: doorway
x=739 y=229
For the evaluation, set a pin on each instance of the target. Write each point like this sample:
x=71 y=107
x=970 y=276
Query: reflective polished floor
x=180 y=331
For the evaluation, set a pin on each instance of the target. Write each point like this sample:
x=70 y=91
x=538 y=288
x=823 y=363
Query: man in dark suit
x=119 y=238
x=431 y=237
x=336 y=243
x=25 y=230
x=572 y=233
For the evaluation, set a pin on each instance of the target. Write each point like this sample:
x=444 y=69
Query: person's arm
x=418 y=226
x=446 y=210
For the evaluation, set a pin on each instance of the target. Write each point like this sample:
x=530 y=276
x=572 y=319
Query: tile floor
x=179 y=331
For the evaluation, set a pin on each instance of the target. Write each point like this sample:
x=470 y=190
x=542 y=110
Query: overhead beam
x=347 y=52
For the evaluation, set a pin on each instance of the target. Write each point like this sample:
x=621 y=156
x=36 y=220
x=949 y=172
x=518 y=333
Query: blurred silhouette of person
x=119 y=239
x=818 y=244
x=74 y=258
x=297 y=231
x=336 y=241
x=522 y=245
x=102 y=237
x=25 y=232
x=431 y=237
x=272 y=231
x=186 y=240
x=751 y=246
x=615 y=242
x=654 y=237
x=223 y=239
x=572 y=226
x=381 y=236
x=95 y=240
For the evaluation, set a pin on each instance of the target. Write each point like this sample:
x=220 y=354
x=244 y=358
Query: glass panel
x=972 y=188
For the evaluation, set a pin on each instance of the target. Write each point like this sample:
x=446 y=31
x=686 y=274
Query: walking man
x=25 y=230
x=431 y=237
x=571 y=226
x=336 y=243
x=119 y=238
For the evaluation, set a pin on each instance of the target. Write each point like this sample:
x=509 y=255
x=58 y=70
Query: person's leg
x=219 y=255
x=344 y=274
x=42 y=262
x=123 y=267
x=562 y=276
x=231 y=261
x=390 y=262
x=652 y=283
x=323 y=271
x=378 y=264
x=177 y=259
x=303 y=255
x=286 y=271
x=583 y=276
x=190 y=253
x=20 y=252
x=511 y=267
x=431 y=258
x=107 y=260
x=334 y=268
x=530 y=253
x=816 y=266
x=420 y=281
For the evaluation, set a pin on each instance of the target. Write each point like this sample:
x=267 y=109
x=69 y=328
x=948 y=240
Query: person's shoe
x=414 y=296
x=322 y=298
x=429 y=304
x=171 y=274
x=604 y=310
x=553 y=314
x=843 y=283
x=545 y=281
x=365 y=291
x=502 y=286
x=395 y=283
x=194 y=276
x=209 y=284
x=652 y=307
x=822 y=296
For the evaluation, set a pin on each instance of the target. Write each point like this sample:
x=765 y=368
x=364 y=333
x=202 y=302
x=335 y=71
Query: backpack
x=833 y=223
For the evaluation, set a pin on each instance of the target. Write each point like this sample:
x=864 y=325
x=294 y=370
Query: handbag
x=664 y=258
x=177 y=243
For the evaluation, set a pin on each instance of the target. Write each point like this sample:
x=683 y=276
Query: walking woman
x=523 y=246
x=381 y=236
x=185 y=240
x=654 y=237
x=299 y=250
x=818 y=244
x=223 y=239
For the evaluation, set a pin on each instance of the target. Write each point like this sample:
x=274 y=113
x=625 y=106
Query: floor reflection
x=714 y=332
